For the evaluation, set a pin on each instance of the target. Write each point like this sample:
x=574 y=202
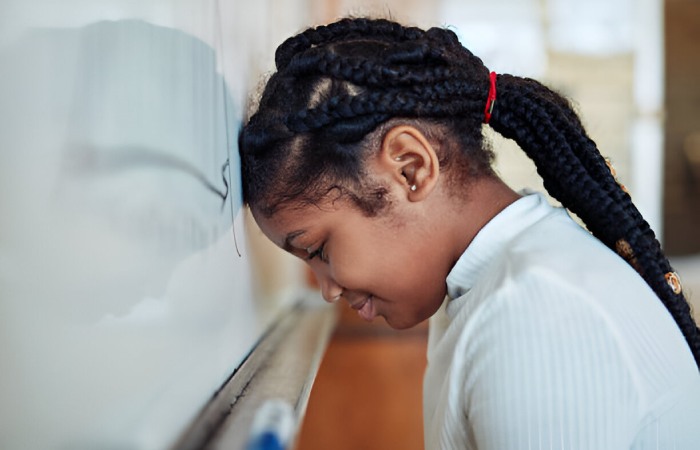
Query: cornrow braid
x=393 y=102
x=336 y=84
x=360 y=70
x=343 y=30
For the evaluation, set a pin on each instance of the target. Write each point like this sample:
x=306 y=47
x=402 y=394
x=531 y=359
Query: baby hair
x=338 y=86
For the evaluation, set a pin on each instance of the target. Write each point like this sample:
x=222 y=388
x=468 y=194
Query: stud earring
x=413 y=188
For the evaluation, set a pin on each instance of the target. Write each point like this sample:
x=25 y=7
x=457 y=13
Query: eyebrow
x=290 y=237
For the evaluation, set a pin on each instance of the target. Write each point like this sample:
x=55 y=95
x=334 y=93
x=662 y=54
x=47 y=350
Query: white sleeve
x=547 y=370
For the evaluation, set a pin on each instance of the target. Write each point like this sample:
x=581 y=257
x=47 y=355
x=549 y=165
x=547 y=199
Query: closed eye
x=318 y=253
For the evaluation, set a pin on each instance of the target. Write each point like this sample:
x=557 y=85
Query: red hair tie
x=491 y=99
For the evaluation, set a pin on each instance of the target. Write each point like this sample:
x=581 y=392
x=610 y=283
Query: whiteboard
x=127 y=291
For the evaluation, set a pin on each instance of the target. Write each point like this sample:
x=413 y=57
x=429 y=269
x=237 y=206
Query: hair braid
x=575 y=173
x=435 y=88
x=398 y=67
x=342 y=30
x=438 y=101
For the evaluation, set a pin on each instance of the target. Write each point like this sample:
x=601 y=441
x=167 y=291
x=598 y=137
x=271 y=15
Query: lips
x=359 y=304
x=365 y=308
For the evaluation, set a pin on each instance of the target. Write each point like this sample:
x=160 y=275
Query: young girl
x=365 y=158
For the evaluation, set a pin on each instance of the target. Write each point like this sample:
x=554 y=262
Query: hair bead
x=674 y=282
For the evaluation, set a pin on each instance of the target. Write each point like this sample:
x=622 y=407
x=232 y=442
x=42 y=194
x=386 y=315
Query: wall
x=682 y=120
x=605 y=56
x=128 y=284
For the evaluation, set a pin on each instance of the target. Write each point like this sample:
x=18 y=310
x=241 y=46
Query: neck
x=483 y=200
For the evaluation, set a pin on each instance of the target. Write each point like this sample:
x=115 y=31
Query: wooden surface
x=368 y=391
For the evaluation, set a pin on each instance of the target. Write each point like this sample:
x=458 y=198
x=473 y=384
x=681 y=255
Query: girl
x=365 y=158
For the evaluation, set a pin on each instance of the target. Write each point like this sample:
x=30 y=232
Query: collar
x=492 y=239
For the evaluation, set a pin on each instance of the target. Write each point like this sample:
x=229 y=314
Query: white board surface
x=126 y=287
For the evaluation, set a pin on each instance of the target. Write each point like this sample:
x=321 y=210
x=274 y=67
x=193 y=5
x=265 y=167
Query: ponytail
x=575 y=173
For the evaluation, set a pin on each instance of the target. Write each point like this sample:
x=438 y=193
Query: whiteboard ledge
x=282 y=366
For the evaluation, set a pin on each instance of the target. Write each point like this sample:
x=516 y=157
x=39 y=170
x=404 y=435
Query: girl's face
x=387 y=266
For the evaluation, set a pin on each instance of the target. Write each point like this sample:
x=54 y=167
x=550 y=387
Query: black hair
x=336 y=85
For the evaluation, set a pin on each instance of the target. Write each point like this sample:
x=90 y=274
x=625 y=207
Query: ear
x=410 y=160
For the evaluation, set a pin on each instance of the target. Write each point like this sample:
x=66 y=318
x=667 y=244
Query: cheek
x=356 y=275
x=364 y=266
x=426 y=294
x=426 y=270
x=407 y=314
x=418 y=288
x=425 y=285
x=391 y=266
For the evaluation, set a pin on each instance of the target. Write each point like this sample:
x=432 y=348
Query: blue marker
x=272 y=427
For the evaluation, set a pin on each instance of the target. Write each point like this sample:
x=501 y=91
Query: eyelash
x=318 y=252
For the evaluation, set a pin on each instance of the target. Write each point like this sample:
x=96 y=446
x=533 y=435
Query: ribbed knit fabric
x=549 y=340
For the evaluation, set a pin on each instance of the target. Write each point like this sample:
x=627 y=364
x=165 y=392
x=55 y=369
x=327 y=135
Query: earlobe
x=410 y=160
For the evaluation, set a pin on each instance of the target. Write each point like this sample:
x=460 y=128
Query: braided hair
x=336 y=85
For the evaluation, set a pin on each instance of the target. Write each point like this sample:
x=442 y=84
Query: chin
x=401 y=324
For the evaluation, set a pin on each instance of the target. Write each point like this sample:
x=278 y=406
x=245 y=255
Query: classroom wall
x=130 y=283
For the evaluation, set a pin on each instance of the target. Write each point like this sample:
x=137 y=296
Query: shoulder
x=558 y=291
x=543 y=362
x=560 y=337
x=539 y=362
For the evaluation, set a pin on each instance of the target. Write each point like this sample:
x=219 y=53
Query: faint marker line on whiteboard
x=227 y=165
x=90 y=159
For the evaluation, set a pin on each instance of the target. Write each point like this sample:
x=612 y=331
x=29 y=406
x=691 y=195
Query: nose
x=330 y=290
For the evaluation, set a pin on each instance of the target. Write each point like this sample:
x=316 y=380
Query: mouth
x=365 y=308
x=359 y=304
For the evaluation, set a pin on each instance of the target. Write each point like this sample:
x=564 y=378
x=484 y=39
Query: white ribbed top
x=549 y=340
